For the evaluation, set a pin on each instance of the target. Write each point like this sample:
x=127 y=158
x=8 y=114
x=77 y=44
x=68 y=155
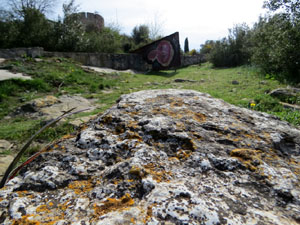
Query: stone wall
x=21 y=52
x=113 y=61
x=187 y=60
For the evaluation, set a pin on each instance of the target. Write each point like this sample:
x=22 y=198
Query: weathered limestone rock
x=285 y=93
x=51 y=107
x=5 y=145
x=164 y=157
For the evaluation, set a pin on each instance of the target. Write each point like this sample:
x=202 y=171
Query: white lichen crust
x=164 y=157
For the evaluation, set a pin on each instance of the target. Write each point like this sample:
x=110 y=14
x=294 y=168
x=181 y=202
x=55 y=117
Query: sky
x=198 y=20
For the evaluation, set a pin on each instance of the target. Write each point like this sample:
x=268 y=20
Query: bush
x=233 y=50
x=277 y=50
x=107 y=40
x=140 y=34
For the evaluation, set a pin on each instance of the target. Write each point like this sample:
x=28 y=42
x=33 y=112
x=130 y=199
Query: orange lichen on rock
x=249 y=157
x=158 y=176
x=199 y=117
x=132 y=220
x=22 y=193
x=68 y=136
x=137 y=171
x=133 y=135
x=42 y=209
x=179 y=114
x=107 y=119
x=183 y=154
x=295 y=167
x=177 y=102
x=167 y=112
x=25 y=221
x=132 y=124
x=149 y=213
x=81 y=186
x=63 y=206
x=112 y=204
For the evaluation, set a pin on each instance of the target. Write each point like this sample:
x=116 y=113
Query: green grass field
x=57 y=76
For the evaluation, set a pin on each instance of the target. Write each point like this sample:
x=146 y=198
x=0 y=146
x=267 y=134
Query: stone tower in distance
x=91 y=21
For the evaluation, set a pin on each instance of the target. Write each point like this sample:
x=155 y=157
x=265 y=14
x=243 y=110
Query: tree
x=291 y=7
x=70 y=31
x=34 y=30
x=18 y=7
x=186 y=45
x=277 y=50
x=233 y=50
x=140 y=34
x=206 y=48
x=155 y=28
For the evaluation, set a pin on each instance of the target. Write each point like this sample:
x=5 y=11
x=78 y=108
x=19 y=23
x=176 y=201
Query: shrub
x=193 y=52
x=277 y=50
x=233 y=50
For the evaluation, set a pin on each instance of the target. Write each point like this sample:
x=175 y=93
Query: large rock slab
x=50 y=107
x=7 y=75
x=164 y=157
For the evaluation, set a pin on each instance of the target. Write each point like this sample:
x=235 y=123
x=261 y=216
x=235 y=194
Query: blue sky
x=199 y=20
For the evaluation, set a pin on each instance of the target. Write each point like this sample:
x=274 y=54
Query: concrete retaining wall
x=21 y=52
x=187 y=60
x=113 y=61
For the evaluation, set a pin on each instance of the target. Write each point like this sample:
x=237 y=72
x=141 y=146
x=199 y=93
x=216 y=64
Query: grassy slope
x=61 y=76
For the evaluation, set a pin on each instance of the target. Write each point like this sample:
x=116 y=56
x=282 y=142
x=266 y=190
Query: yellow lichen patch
x=249 y=157
x=132 y=124
x=81 y=186
x=22 y=193
x=180 y=126
x=149 y=213
x=133 y=135
x=295 y=167
x=116 y=182
x=132 y=220
x=63 y=206
x=112 y=204
x=199 y=117
x=183 y=154
x=133 y=113
x=178 y=102
x=51 y=220
x=42 y=209
x=173 y=159
x=119 y=129
x=25 y=221
x=107 y=119
x=158 y=174
x=137 y=171
x=68 y=136
x=167 y=112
